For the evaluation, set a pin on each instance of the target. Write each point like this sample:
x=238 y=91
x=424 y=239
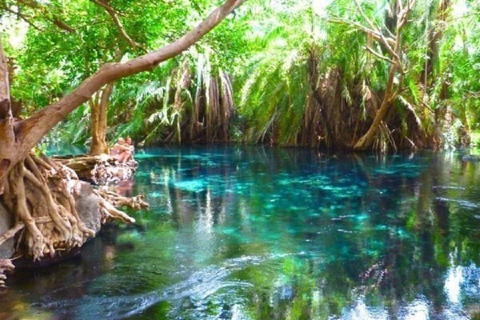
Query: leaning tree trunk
x=99 y=121
x=18 y=137
x=367 y=139
x=393 y=45
x=38 y=191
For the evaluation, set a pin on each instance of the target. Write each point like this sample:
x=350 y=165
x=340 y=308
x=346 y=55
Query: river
x=269 y=233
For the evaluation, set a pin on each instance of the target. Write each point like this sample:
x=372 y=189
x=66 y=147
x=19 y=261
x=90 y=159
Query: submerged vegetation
x=295 y=73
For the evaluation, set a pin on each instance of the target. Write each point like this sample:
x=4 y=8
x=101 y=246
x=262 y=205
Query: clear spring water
x=266 y=233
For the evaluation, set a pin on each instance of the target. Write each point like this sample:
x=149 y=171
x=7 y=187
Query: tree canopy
x=309 y=73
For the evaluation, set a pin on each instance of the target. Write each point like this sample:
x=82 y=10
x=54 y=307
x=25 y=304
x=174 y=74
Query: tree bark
x=366 y=140
x=7 y=134
x=44 y=10
x=114 y=15
x=99 y=122
x=396 y=66
x=17 y=139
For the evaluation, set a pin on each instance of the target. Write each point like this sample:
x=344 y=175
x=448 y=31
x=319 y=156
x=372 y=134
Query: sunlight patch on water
x=416 y=310
x=360 y=311
x=192 y=185
x=452 y=284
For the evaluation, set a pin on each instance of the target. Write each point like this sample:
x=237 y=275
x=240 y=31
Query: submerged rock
x=7 y=249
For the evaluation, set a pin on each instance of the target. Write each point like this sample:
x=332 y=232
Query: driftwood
x=99 y=169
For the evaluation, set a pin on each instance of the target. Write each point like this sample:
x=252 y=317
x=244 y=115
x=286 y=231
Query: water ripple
x=463 y=203
x=198 y=286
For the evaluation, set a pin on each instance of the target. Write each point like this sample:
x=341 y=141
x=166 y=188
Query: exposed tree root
x=99 y=169
x=117 y=200
x=5 y=265
x=39 y=193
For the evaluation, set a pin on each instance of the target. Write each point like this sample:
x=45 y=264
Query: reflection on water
x=262 y=233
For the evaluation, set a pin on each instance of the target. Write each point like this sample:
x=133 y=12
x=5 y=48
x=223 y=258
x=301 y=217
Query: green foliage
x=264 y=50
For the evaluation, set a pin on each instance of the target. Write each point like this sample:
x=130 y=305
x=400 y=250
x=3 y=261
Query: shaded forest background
x=290 y=73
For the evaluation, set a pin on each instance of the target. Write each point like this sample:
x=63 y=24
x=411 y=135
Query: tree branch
x=378 y=55
x=107 y=7
x=370 y=23
x=22 y=16
x=114 y=14
x=375 y=34
x=47 y=14
x=374 y=27
x=390 y=95
x=30 y=131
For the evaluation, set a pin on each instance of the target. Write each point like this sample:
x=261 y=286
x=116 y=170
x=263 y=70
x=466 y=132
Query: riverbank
x=47 y=213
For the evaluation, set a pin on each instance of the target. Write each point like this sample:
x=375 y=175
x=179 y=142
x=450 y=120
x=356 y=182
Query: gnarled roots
x=5 y=265
x=99 y=169
x=39 y=192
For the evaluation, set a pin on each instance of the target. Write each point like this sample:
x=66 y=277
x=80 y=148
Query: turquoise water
x=266 y=233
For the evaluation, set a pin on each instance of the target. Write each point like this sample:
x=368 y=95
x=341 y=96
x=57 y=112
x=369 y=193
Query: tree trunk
x=99 y=122
x=396 y=53
x=8 y=143
x=17 y=138
x=429 y=75
x=435 y=33
x=366 y=141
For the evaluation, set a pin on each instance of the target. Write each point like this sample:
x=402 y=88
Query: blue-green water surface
x=268 y=233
